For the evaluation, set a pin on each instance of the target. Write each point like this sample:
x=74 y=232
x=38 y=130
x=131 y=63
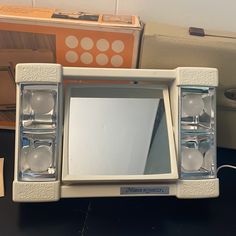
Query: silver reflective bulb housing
x=197 y=144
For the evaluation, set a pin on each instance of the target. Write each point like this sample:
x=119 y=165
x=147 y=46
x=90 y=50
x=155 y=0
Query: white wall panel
x=17 y=2
x=200 y=13
x=99 y=6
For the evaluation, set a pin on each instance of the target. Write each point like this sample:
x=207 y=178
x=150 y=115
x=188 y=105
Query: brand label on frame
x=144 y=190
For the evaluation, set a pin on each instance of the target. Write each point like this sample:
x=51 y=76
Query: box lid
x=68 y=17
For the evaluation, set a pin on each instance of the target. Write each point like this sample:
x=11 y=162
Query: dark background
x=119 y=216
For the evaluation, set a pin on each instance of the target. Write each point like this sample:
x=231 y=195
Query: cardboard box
x=69 y=38
x=168 y=47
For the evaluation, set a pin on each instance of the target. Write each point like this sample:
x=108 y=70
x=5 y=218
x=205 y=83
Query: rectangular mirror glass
x=117 y=133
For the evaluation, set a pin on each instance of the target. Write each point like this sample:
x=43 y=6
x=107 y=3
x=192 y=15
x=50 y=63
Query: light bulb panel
x=39 y=106
x=39 y=127
x=197 y=145
x=197 y=111
x=38 y=157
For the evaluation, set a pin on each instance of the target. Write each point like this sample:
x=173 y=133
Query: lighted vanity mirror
x=92 y=132
x=118 y=132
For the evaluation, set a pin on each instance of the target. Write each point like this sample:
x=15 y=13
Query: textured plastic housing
x=31 y=73
x=198 y=188
x=189 y=189
x=36 y=191
x=191 y=76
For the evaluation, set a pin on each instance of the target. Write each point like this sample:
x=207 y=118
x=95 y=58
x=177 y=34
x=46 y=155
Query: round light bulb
x=192 y=105
x=203 y=146
x=192 y=159
x=207 y=105
x=39 y=159
x=42 y=102
x=23 y=163
x=208 y=159
x=26 y=100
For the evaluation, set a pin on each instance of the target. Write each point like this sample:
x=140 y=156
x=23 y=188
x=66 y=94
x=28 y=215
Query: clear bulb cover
x=39 y=132
x=42 y=102
x=192 y=159
x=197 y=141
x=197 y=109
x=193 y=105
x=39 y=106
x=39 y=159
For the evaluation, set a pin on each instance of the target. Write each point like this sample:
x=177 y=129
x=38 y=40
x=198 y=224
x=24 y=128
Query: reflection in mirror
x=117 y=132
x=158 y=160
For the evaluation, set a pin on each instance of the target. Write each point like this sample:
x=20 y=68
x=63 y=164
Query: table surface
x=119 y=216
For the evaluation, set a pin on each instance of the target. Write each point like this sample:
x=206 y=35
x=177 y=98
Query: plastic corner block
x=206 y=188
x=197 y=76
x=38 y=72
x=36 y=191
